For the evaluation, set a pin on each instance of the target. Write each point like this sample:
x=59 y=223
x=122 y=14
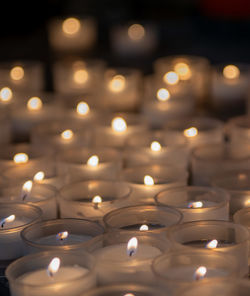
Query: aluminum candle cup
x=147 y=181
x=60 y=234
x=218 y=236
x=211 y=160
x=89 y=164
x=143 y=218
x=237 y=184
x=197 y=203
x=92 y=199
x=42 y=196
x=122 y=257
x=52 y=273
x=14 y=218
x=179 y=268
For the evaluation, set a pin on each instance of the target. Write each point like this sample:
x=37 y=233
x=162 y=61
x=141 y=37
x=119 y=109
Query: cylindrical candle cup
x=60 y=234
x=197 y=203
x=11 y=245
x=32 y=275
x=217 y=236
x=92 y=199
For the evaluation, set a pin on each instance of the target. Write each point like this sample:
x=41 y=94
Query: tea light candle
x=14 y=218
x=72 y=34
x=51 y=273
x=197 y=203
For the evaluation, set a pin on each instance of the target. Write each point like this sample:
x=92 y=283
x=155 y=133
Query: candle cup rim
x=240 y=214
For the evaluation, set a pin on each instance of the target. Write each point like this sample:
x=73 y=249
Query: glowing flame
x=93 y=161
x=39 y=176
x=34 y=104
x=129 y=294
x=97 y=200
x=183 y=70
x=247 y=203
x=82 y=108
x=195 y=205
x=171 y=78
x=190 y=132
x=6 y=94
x=155 y=146
x=231 y=72
x=62 y=235
x=213 y=244
x=20 y=158
x=148 y=180
x=117 y=83
x=119 y=124
x=200 y=273
x=67 y=135
x=144 y=227
x=71 y=26
x=11 y=218
x=132 y=246
x=136 y=32
x=53 y=266
x=17 y=73
x=27 y=186
x=81 y=76
x=163 y=94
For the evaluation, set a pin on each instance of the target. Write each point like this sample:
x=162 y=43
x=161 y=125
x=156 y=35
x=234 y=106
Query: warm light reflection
x=242 y=177
x=71 y=26
x=190 y=132
x=171 y=78
x=93 y=161
x=195 y=205
x=117 y=83
x=53 y=266
x=39 y=176
x=144 y=227
x=148 y=180
x=183 y=70
x=231 y=72
x=118 y=124
x=34 y=104
x=163 y=94
x=26 y=189
x=155 y=146
x=17 y=73
x=132 y=246
x=21 y=158
x=6 y=94
x=200 y=273
x=82 y=108
x=247 y=203
x=62 y=235
x=129 y=294
x=136 y=32
x=67 y=135
x=81 y=76
x=213 y=244
x=9 y=219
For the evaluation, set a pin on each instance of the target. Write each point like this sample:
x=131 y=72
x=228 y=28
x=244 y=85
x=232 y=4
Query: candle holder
x=196 y=203
x=40 y=195
x=89 y=164
x=236 y=183
x=211 y=160
x=218 y=236
x=148 y=218
x=11 y=246
x=92 y=199
x=116 y=265
x=180 y=268
x=147 y=181
x=29 y=275
x=60 y=234
x=238 y=129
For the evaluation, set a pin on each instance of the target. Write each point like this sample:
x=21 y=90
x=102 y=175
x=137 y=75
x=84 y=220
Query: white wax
x=52 y=240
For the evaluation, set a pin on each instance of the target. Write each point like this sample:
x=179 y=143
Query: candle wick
x=24 y=196
x=2 y=224
x=131 y=253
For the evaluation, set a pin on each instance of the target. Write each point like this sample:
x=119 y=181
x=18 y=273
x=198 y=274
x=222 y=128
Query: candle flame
x=11 y=218
x=62 y=235
x=81 y=76
x=195 y=205
x=129 y=294
x=132 y=246
x=93 y=161
x=97 y=200
x=183 y=70
x=144 y=227
x=136 y=32
x=119 y=124
x=39 y=176
x=171 y=78
x=34 y=104
x=21 y=158
x=71 y=26
x=212 y=245
x=6 y=94
x=82 y=108
x=26 y=189
x=190 y=132
x=67 y=135
x=117 y=83
x=231 y=72
x=155 y=146
x=163 y=94
x=148 y=180
x=17 y=73
x=53 y=266
x=200 y=273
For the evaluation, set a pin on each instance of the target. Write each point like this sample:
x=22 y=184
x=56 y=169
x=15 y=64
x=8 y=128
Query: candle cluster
x=121 y=179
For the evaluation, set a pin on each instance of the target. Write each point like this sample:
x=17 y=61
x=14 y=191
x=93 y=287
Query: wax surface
x=52 y=240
